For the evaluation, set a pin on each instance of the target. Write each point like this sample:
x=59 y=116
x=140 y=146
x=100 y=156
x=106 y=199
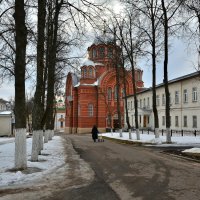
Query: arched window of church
x=109 y=93
x=101 y=52
x=123 y=92
x=94 y=53
x=70 y=91
x=84 y=72
x=115 y=93
x=110 y=52
x=90 y=110
x=79 y=109
x=90 y=72
x=109 y=120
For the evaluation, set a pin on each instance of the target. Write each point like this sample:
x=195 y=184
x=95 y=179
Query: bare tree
x=192 y=7
x=20 y=66
x=131 y=39
x=149 y=11
x=168 y=13
x=38 y=109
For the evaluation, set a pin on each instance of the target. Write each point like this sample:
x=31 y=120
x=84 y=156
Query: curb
x=138 y=143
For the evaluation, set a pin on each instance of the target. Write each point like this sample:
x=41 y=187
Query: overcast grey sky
x=181 y=61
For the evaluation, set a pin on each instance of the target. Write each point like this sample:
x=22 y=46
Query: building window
x=163 y=99
x=185 y=121
x=116 y=93
x=176 y=97
x=110 y=52
x=79 y=109
x=157 y=100
x=101 y=52
x=131 y=105
x=109 y=120
x=128 y=105
x=90 y=110
x=132 y=120
x=170 y=99
x=144 y=103
x=123 y=92
x=140 y=103
x=194 y=120
x=176 y=121
x=185 y=96
x=94 y=53
x=148 y=104
x=84 y=72
x=163 y=120
x=109 y=93
x=90 y=72
x=194 y=94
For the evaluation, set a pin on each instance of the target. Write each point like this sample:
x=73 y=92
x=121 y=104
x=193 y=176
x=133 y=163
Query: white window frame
x=194 y=94
x=176 y=121
x=157 y=100
x=185 y=96
x=90 y=110
x=194 y=121
x=163 y=120
x=185 y=121
x=176 y=97
x=163 y=99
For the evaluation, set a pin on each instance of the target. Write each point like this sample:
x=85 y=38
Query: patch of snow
x=161 y=141
x=52 y=157
x=5 y=113
x=87 y=62
x=192 y=150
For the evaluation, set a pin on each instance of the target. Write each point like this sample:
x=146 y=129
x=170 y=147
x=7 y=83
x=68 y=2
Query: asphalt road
x=129 y=172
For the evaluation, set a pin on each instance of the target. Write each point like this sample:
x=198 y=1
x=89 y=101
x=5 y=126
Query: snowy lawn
x=161 y=141
x=51 y=158
x=53 y=155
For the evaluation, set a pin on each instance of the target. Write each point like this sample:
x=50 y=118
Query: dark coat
x=95 y=133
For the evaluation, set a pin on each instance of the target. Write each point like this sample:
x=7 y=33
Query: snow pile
x=161 y=141
x=192 y=150
x=52 y=157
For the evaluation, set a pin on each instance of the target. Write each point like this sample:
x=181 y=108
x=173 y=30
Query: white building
x=184 y=104
x=60 y=114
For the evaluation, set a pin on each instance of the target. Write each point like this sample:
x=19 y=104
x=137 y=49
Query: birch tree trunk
x=20 y=149
x=20 y=66
x=38 y=110
x=35 y=146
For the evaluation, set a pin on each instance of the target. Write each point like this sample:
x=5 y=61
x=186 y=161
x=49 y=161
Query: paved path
x=113 y=171
x=130 y=172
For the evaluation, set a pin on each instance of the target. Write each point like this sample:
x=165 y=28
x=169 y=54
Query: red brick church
x=91 y=96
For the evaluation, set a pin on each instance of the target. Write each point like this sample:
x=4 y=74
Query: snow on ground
x=192 y=150
x=51 y=158
x=161 y=141
x=53 y=155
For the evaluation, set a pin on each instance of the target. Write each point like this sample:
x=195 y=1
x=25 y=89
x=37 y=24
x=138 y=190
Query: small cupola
x=88 y=69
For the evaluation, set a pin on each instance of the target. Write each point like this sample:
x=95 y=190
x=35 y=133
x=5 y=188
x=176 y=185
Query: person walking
x=95 y=133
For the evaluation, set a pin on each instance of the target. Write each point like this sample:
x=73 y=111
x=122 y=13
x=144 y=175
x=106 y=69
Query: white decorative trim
x=156 y=132
x=20 y=149
x=168 y=135
x=138 y=134
x=130 y=134
x=35 y=146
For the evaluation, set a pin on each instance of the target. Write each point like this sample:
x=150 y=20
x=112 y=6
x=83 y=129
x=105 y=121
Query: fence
x=173 y=132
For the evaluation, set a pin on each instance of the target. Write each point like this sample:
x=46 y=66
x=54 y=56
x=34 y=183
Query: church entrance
x=145 y=121
x=116 y=124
